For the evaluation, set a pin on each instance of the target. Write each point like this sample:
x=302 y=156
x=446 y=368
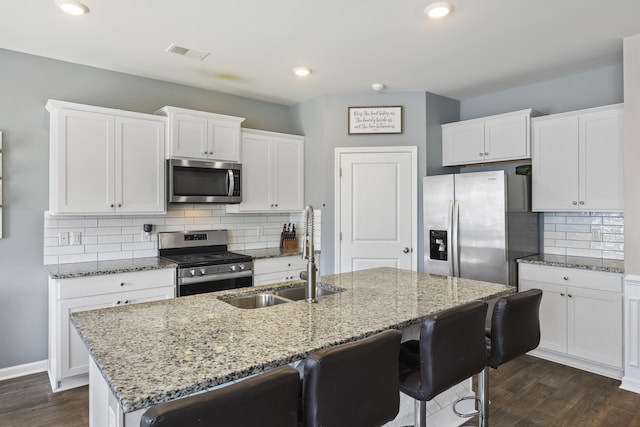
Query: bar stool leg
x=419 y=413
x=483 y=392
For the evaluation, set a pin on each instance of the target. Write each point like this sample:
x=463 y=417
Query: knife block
x=290 y=245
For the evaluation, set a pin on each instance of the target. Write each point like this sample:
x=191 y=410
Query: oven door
x=214 y=282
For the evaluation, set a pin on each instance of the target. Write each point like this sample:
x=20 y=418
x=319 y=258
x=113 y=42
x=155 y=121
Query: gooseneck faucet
x=308 y=253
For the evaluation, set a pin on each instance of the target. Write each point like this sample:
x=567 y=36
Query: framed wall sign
x=363 y=120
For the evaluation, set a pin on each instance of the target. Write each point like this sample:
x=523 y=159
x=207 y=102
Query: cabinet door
x=553 y=315
x=555 y=173
x=189 y=136
x=256 y=173
x=223 y=140
x=83 y=147
x=601 y=160
x=288 y=171
x=73 y=358
x=507 y=138
x=463 y=143
x=140 y=171
x=595 y=326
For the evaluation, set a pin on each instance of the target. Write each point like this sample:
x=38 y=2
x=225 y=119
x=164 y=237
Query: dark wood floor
x=524 y=392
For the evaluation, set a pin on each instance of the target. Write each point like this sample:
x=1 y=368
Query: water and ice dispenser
x=438 y=245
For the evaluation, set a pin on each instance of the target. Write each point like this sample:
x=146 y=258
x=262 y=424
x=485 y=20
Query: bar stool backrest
x=353 y=384
x=452 y=347
x=515 y=326
x=269 y=399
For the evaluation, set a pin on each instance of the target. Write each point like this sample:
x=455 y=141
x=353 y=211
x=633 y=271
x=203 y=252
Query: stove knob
x=241 y=266
x=233 y=267
x=193 y=272
x=203 y=271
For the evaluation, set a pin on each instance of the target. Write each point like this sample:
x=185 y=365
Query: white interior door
x=376 y=216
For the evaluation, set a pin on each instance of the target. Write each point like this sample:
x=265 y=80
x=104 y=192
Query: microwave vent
x=193 y=53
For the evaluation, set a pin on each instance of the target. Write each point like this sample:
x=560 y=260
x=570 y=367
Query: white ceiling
x=485 y=45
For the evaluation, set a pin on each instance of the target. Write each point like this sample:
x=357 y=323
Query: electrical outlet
x=75 y=238
x=63 y=239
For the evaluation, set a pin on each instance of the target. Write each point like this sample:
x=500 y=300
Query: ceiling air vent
x=198 y=54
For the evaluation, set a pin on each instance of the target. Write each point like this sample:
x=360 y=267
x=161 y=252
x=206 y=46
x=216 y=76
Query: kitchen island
x=155 y=352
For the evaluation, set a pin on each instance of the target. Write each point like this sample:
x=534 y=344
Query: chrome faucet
x=308 y=253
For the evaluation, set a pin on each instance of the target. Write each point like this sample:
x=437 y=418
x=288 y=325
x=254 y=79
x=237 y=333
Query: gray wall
x=324 y=122
x=26 y=84
x=601 y=86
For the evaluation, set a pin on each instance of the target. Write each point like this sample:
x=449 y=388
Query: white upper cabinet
x=272 y=172
x=105 y=161
x=201 y=135
x=577 y=160
x=489 y=139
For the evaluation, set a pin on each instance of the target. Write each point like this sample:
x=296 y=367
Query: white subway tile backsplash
x=114 y=222
x=591 y=234
x=113 y=247
x=108 y=256
x=121 y=237
x=575 y=228
x=66 y=259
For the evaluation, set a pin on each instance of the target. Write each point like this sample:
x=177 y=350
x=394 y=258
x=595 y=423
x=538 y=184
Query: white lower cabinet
x=580 y=317
x=68 y=363
x=279 y=269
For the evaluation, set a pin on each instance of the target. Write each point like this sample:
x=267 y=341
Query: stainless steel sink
x=255 y=301
x=299 y=293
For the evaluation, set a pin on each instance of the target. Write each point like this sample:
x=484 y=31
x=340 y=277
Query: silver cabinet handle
x=570 y=296
x=405 y=250
x=566 y=277
x=486 y=154
x=561 y=294
x=121 y=283
x=480 y=154
x=112 y=205
x=574 y=203
x=582 y=202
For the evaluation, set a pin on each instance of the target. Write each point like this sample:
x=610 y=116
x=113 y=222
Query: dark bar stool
x=353 y=384
x=269 y=399
x=513 y=329
x=451 y=349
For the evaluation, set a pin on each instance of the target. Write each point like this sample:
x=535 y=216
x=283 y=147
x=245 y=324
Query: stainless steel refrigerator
x=477 y=224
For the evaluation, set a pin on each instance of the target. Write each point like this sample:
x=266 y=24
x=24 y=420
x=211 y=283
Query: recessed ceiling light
x=378 y=87
x=72 y=7
x=438 y=10
x=302 y=71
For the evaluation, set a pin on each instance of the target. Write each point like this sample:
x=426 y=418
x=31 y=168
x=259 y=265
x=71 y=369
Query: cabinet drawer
x=271 y=265
x=112 y=283
x=598 y=280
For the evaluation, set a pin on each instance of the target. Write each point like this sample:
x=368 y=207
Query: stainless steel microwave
x=203 y=181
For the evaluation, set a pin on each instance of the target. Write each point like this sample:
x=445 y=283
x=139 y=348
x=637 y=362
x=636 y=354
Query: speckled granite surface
x=83 y=269
x=584 y=263
x=270 y=252
x=154 y=352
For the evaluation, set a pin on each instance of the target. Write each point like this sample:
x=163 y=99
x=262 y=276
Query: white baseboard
x=22 y=370
x=630 y=384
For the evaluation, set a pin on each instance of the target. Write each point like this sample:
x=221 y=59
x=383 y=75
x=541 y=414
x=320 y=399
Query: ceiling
x=482 y=47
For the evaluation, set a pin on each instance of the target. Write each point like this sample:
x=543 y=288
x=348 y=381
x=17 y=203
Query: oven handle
x=214 y=277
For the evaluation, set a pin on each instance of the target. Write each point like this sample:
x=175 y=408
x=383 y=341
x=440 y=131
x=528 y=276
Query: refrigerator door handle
x=454 y=240
x=450 y=238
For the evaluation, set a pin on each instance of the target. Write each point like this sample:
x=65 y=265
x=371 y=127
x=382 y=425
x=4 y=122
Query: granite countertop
x=159 y=351
x=83 y=269
x=584 y=263
x=272 y=252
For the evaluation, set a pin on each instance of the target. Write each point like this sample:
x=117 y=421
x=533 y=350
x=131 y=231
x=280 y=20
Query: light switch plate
x=75 y=238
x=63 y=239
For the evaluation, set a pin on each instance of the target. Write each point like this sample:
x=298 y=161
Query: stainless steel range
x=204 y=264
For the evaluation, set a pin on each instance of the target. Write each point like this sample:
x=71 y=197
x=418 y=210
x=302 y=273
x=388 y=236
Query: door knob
x=405 y=250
